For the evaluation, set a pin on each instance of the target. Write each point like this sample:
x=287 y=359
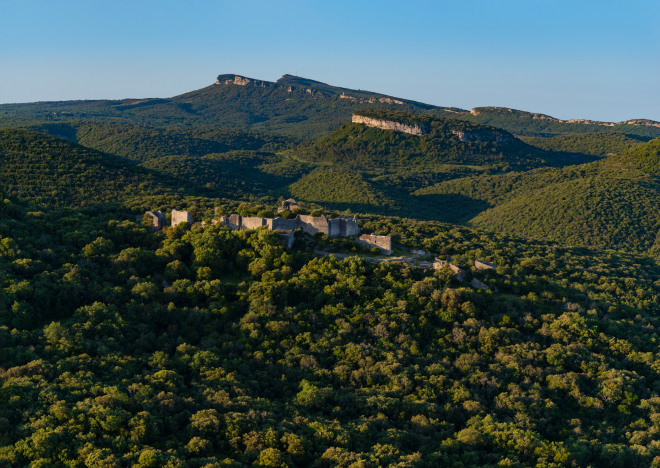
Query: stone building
x=179 y=217
x=157 y=219
x=384 y=243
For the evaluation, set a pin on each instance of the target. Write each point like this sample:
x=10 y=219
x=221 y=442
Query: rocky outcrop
x=642 y=122
x=390 y=125
x=240 y=81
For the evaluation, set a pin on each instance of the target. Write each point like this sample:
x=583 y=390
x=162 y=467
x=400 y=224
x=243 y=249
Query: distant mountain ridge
x=292 y=106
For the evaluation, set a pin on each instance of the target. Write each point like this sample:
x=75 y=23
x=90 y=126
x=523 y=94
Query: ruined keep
x=289 y=205
x=384 y=243
x=179 y=217
x=157 y=219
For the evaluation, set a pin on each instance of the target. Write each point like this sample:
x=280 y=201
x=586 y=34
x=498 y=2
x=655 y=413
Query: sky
x=591 y=59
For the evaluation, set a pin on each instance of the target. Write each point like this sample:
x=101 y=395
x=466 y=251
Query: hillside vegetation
x=197 y=346
x=596 y=144
x=144 y=143
x=446 y=141
x=52 y=171
x=611 y=203
x=203 y=347
x=338 y=187
x=292 y=106
x=540 y=125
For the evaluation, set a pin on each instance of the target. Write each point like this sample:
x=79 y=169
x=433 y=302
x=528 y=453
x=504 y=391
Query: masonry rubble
x=289 y=205
x=483 y=265
x=475 y=283
x=461 y=275
x=384 y=243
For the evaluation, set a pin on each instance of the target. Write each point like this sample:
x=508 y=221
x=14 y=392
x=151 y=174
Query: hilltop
x=424 y=141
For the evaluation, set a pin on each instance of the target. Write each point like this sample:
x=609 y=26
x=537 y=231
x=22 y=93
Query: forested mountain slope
x=613 y=203
x=597 y=144
x=445 y=140
x=533 y=124
x=121 y=347
x=142 y=143
x=48 y=170
x=292 y=106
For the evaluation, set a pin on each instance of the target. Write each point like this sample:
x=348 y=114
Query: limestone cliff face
x=642 y=122
x=240 y=81
x=390 y=125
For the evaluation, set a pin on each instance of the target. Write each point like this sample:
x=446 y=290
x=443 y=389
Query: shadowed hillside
x=52 y=171
x=611 y=203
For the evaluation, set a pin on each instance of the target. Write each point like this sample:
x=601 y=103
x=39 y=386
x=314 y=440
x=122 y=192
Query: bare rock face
x=642 y=122
x=390 y=125
x=239 y=80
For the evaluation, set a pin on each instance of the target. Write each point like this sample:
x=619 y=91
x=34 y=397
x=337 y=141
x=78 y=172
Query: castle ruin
x=338 y=227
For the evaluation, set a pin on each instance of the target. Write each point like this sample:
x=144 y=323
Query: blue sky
x=570 y=59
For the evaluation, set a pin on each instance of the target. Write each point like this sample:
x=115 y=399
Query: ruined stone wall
x=390 y=125
x=313 y=224
x=384 y=243
x=283 y=223
x=254 y=222
x=352 y=228
x=179 y=217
